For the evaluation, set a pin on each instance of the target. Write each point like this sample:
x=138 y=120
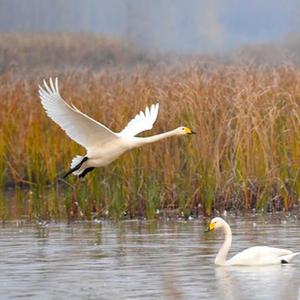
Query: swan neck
x=222 y=254
x=157 y=137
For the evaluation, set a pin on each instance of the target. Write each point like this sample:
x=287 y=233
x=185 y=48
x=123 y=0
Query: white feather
x=78 y=126
x=75 y=162
x=141 y=122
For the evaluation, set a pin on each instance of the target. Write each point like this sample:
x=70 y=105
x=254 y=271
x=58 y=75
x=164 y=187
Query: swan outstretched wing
x=141 y=122
x=78 y=126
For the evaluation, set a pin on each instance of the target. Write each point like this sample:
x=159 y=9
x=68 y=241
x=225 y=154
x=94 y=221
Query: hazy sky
x=166 y=25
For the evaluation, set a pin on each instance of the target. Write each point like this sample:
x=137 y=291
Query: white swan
x=102 y=144
x=259 y=255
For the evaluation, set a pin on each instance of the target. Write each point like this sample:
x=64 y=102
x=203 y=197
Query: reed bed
x=245 y=155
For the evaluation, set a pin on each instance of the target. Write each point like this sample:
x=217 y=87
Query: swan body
x=254 y=256
x=102 y=144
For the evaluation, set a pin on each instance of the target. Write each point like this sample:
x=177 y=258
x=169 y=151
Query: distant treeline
x=35 y=53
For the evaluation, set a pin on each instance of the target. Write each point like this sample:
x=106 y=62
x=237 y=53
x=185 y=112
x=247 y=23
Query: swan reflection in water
x=258 y=282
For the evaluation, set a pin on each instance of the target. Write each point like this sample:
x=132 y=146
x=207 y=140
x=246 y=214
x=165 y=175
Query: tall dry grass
x=245 y=154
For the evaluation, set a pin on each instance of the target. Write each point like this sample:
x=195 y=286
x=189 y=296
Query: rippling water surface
x=144 y=260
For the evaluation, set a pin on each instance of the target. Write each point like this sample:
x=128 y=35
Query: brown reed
x=245 y=154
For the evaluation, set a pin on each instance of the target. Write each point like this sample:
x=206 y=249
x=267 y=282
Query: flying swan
x=102 y=144
x=254 y=256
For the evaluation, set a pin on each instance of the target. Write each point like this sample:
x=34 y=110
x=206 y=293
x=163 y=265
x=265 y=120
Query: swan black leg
x=76 y=167
x=87 y=170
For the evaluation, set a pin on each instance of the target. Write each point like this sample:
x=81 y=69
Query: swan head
x=182 y=130
x=216 y=223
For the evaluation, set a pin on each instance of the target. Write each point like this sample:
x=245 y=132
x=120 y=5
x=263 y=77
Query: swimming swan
x=259 y=255
x=102 y=144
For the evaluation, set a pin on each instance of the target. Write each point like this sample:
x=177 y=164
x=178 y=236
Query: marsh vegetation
x=245 y=154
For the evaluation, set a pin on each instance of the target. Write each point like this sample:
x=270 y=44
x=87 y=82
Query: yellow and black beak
x=189 y=131
x=210 y=227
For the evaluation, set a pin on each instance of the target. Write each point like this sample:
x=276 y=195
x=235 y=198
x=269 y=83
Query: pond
x=171 y=259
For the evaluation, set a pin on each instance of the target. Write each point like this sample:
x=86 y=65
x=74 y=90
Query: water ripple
x=143 y=260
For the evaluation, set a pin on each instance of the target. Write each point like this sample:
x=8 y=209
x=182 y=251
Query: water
x=144 y=260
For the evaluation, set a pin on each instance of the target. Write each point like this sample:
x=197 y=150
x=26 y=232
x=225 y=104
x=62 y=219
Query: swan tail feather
x=76 y=164
x=288 y=258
